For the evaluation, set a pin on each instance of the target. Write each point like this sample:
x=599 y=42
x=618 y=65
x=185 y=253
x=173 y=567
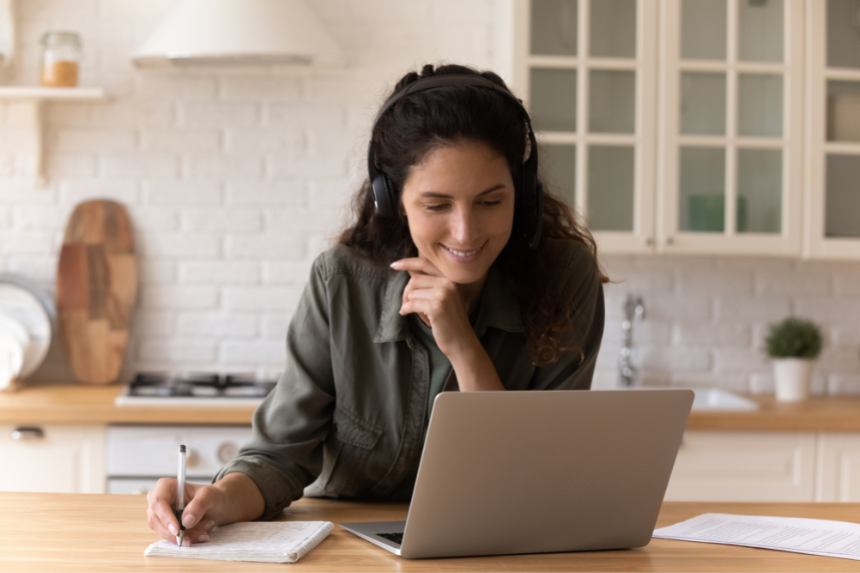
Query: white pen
x=180 y=495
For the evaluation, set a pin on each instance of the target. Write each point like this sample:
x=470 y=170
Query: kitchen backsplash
x=236 y=179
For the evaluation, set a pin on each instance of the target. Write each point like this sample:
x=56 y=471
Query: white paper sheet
x=795 y=534
x=272 y=542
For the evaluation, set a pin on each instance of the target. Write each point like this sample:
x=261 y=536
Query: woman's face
x=459 y=202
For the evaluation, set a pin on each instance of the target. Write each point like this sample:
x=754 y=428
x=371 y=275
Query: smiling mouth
x=464 y=254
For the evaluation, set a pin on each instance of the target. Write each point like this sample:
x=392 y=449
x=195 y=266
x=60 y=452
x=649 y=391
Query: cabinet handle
x=670 y=241
x=649 y=241
x=27 y=433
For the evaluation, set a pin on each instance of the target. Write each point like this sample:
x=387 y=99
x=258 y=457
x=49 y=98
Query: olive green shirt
x=348 y=415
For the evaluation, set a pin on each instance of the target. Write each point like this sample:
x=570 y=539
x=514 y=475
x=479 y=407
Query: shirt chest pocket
x=346 y=453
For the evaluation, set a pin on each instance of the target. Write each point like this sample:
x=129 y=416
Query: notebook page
x=798 y=535
x=276 y=542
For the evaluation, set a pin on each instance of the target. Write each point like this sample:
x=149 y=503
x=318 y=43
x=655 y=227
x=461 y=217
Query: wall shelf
x=33 y=99
x=38 y=93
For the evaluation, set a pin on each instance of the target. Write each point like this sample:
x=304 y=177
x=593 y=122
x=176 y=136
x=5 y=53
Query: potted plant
x=793 y=344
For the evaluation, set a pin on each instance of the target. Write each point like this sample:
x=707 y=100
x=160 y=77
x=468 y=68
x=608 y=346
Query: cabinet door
x=744 y=466
x=65 y=459
x=587 y=72
x=731 y=85
x=833 y=128
x=838 y=471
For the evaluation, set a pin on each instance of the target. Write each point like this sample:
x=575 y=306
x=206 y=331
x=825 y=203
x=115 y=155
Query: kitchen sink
x=710 y=399
x=717 y=399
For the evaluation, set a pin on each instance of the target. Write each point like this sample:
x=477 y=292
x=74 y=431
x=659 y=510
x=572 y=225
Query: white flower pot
x=792 y=377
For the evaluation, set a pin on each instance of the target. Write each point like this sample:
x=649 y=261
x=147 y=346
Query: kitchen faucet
x=627 y=372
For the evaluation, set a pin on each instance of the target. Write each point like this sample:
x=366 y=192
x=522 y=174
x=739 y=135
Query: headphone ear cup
x=383 y=197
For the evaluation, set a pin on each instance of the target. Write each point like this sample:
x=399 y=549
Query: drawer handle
x=27 y=433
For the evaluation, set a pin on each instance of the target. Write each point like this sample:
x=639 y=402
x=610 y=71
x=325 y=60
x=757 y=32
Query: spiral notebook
x=268 y=542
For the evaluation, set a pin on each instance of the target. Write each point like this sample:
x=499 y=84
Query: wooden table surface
x=80 y=532
x=73 y=404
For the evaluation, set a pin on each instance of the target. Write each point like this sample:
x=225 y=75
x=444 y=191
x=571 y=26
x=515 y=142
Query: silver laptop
x=538 y=472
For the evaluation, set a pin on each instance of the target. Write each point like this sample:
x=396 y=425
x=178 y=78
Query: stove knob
x=192 y=460
x=227 y=451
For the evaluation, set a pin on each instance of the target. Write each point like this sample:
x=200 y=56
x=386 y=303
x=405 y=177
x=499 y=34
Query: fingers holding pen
x=160 y=509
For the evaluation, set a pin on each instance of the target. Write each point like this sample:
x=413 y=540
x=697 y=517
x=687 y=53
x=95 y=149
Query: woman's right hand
x=200 y=516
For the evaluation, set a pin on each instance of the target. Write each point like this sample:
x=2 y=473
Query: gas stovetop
x=167 y=389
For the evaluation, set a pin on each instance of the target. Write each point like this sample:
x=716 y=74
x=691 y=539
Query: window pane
x=843 y=39
x=760 y=105
x=843 y=111
x=558 y=169
x=613 y=29
x=761 y=30
x=553 y=30
x=759 y=208
x=842 y=202
x=610 y=188
x=553 y=99
x=702 y=189
x=612 y=102
x=703 y=103
x=703 y=29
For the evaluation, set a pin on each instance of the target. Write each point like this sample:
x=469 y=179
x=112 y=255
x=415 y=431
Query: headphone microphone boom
x=529 y=199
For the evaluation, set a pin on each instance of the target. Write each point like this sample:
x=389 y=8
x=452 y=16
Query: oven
x=138 y=455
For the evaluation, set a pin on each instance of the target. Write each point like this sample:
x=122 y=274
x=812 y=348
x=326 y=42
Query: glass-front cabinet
x=587 y=70
x=731 y=147
x=671 y=125
x=833 y=130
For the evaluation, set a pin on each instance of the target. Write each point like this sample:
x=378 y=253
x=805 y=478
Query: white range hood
x=236 y=32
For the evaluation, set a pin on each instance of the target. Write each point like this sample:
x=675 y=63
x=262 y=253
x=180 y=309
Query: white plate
x=32 y=309
x=11 y=358
x=11 y=326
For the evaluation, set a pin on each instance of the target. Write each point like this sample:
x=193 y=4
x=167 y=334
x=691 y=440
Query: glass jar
x=61 y=55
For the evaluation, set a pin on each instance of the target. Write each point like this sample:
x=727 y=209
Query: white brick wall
x=718 y=310
x=236 y=178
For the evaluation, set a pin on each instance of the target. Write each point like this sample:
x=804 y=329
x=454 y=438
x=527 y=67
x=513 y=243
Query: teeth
x=463 y=254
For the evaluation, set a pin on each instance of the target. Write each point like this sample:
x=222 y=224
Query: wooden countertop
x=73 y=404
x=81 y=532
x=818 y=414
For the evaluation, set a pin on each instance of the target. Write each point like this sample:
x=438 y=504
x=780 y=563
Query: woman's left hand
x=439 y=303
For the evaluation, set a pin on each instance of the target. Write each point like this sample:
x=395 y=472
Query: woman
x=457 y=274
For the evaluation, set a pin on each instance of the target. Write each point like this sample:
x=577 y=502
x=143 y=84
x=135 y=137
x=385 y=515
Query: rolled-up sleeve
x=583 y=290
x=286 y=451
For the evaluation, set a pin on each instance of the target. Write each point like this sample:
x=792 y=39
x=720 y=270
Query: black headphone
x=529 y=199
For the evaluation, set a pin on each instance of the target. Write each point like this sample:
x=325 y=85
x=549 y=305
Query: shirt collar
x=499 y=308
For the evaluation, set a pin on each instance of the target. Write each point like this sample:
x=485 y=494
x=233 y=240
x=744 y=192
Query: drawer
x=49 y=458
x=744 y=466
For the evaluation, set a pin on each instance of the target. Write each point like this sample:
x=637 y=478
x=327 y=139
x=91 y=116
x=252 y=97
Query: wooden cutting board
x=96 y=290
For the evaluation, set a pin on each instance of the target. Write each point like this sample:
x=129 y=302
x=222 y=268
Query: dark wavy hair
x=443 y=117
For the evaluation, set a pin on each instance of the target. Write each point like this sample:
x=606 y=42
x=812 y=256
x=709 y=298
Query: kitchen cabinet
x=744 y=466
x=838 y=471
x=833 y=130
x=588 y=72
x=678 y=126
x=730 y=136
x=52 y=458
x=767 y=466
